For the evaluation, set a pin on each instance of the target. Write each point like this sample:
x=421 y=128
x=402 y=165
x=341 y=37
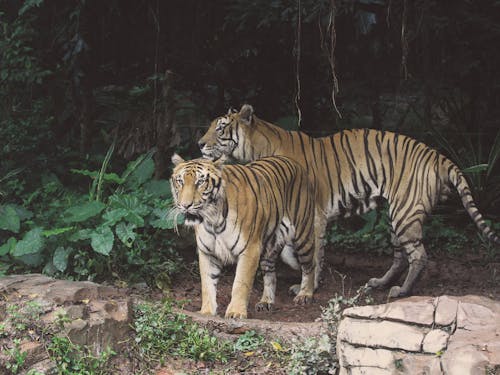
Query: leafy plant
x=161 y=331
x=249 y=341
x=16 y=357
x=116 y=228
x=318 y=355
x=72 y=359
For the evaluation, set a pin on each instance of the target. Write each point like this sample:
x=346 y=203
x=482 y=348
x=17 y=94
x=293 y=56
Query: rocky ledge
x=87 y=313
x=421 y=335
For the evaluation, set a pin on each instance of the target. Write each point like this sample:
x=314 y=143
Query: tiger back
x=246 y=214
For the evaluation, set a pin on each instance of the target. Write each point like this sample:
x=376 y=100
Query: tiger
x=354 y=170
x=245 y=213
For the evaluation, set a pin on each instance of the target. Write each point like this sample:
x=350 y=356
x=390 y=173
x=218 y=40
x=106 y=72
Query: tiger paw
x=397 y=292
x=206 y=312
x=303 y=299
x=375 y=283
x=294 y=290
x=235 y=312
x=264 y=306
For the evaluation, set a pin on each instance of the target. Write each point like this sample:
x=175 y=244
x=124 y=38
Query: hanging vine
x=328 y=45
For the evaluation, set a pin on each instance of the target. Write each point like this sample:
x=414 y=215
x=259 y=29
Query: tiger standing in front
x=244 y=214
x=352 y=169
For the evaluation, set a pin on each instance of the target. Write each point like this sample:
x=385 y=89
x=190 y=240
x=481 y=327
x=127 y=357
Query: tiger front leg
x=243 y=282
x=209 y=273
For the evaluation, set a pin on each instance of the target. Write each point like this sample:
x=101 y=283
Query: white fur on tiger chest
x=225 y=245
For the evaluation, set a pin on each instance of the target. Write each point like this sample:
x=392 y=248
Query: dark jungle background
x=95 y=96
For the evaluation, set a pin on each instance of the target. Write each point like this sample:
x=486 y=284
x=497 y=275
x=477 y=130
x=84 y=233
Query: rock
x=384 y=333
x=411 y=310
x=446 y=311
x=435 y=341
x=88 y=313
x=421 y=335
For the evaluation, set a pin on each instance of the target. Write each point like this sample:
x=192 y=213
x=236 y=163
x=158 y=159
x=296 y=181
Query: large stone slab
x=421 y=335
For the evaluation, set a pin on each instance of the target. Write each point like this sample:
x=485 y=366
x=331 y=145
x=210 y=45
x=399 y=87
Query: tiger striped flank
x=353 y=169
x=246 y=214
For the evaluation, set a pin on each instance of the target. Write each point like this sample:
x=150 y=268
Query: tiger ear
x=246 y=113
x=231 y=110
x=176 y=159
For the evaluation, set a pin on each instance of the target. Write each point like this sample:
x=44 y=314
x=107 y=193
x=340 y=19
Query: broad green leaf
x=126 y=234
x=111 y=217
x=31 y=243
x=158 y=188
x=139 y=171
x=102 y=240
x=82 y=212
x=56 y=231
x=476 y=168
x=9 y=219
x=22 y=212
x=135 y=209
x=82 y=234
x=60 y=258
x=8 y=246
x=166 y=219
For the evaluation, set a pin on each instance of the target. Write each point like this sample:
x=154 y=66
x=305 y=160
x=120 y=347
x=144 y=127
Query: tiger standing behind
x=240 y=212
x=352 y=169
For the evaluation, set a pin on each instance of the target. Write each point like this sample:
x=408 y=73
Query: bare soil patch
x=470 y=272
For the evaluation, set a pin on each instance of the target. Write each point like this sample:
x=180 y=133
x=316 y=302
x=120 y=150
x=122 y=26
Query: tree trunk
x=166 y=130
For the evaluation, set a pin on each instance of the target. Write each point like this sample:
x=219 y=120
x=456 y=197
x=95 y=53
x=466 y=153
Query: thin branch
x=297 y=63
x=404 y=41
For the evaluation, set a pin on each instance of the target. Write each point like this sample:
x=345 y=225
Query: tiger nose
x=201 y=144
x=186 y=205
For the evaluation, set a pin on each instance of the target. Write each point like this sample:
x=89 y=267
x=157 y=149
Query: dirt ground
x=344 y=272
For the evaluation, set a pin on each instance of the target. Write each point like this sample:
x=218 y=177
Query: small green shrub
x=72 y=359
x=16 y=357
x=249 y=341
x=161 y=331
x=318 y=355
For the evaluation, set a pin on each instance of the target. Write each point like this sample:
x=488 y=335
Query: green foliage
x=250 y=340
x=368 y=232
x=444 y=237
x=318 y=355
x=371 y=232
x=24 y=119
x=89 y=235
x=23 y=316
x=312 y=356
x=161 y=331
x=16 y=357
x=72 y=359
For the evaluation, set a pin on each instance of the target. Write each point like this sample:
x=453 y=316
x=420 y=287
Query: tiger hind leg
x=407 y=236
x=305 y=254
x=417 y=259
x=399 y=265
x=320 y=223
x=268 y=268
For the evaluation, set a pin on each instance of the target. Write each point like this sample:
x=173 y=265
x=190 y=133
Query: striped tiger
x=240 y=212
x=353 y=168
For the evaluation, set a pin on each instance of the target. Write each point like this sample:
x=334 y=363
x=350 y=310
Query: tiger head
x=196 y=188
x=223 y=137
